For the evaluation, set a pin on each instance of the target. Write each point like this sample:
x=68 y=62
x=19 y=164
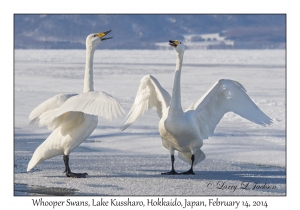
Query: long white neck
x=88 y=75
x=175 y=106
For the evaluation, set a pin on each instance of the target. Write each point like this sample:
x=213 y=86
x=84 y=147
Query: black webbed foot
x=76 y=175
x=172 y=172
x=68 y=170
x=189 y=172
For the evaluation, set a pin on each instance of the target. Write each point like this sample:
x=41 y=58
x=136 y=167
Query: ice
x=130 y=162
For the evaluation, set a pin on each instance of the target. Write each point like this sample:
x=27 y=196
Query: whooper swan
x=73 y=117
x=185 y=131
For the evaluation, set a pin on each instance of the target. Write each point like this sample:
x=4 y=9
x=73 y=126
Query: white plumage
x=73 y=117
x=185 y=131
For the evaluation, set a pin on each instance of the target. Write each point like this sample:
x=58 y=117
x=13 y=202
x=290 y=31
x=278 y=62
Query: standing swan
x=73 y=117
x=185 y=131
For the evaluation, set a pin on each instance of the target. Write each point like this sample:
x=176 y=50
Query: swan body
x=73 y=117
x=185 y=131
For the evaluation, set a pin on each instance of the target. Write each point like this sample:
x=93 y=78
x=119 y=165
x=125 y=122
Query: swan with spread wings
x=185 y=131
x=73 y=117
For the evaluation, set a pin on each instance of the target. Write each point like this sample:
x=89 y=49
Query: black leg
x=66 y=162
x=68 y=170
x=172 y=172
x=191 y=169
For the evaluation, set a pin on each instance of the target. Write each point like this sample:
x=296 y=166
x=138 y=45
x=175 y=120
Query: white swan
x=73 y=117
x=185 y=131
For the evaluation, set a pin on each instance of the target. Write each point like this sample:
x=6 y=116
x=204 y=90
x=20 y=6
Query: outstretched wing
x=93 y=103
x=223 y=97
x=150 y=93
x=50 y=104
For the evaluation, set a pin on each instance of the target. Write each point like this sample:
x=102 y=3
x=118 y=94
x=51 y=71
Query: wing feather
x=149 y=94
x=225 y=96
x=93 y=103
x=50 y=104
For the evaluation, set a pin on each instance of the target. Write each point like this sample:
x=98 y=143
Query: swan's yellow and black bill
x=102 y=34
x=173 y=43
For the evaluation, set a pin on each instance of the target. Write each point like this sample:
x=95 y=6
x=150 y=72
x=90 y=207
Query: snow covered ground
x=242 y=158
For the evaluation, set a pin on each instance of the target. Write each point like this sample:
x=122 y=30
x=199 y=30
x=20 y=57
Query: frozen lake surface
x=242 y=158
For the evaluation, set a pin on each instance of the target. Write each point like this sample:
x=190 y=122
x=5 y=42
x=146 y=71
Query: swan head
x=178 y=46
x=93 y=40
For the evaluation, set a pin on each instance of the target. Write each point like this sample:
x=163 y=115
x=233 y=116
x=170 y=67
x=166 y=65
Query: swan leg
x=172 y=172
x=68 y=170
x=191 y=169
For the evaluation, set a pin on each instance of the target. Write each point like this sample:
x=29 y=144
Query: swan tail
x=43 y=152
x=186 y=156
x=35 y=160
